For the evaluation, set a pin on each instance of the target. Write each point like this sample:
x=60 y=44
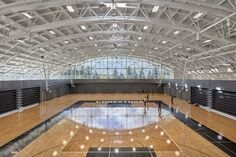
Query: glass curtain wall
x=119 y=68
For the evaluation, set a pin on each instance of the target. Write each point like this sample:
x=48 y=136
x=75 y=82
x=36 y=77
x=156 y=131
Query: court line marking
x=171 y=138
x=71 y=136
x=164 y=151
x=119 y=147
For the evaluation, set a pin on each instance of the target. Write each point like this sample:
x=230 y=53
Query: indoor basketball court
x=114 y=78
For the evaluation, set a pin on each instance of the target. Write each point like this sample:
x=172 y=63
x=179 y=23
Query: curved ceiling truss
x=198 y=36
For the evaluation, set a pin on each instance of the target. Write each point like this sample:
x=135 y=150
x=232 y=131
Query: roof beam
x=96 y=33
x=110 y=19
x=181 y=4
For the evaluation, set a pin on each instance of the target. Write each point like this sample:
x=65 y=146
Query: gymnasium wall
x=57 y=87
x=209 y=84
x=116 y=86
x=223 y=100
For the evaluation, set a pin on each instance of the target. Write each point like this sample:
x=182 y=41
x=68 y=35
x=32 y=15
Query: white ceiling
x=43 y=38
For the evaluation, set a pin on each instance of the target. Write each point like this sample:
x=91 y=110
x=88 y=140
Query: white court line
x=70 y=138
x=171 y=138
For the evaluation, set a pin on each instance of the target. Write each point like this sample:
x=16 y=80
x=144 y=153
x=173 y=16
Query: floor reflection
x=118 y=118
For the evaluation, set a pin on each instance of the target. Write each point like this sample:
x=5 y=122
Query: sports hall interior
x=114 y=78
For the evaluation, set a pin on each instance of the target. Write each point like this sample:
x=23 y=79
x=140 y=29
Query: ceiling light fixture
x=176 y=32
x=83 y=27
x=198 y=15
x=113 y=6
x=21 y=41
x=90 y=38
x=164 y=42
x=145 y=27
x=52 y=32
x=114 y=25
x=27 y=15
x=229 y=70
x=136 y=45
x=67 y=42
x=70 y=8
x=155 y=8
x=207 y=41
x=139 y=38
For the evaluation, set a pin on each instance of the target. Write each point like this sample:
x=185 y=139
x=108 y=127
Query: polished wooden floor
x=68 y=139
x=18 y=123
x=51 y=141
x=14 y=125
x=105 y=138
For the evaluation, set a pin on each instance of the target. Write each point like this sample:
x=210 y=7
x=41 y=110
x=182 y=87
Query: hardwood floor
x=51 y=142
x=184 y=141
x=191 y=143
x=123 y=139
x=16 y=124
